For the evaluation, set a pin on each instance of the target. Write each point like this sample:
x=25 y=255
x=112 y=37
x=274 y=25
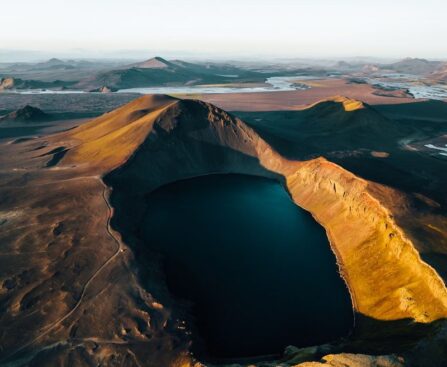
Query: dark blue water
x=258 y=269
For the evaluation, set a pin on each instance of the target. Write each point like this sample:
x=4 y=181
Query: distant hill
x=52 y=64
x=337 y=123
x=414 y=66
x=346 y=66
x=54 y=61
x=331 y=117
x=26 y=114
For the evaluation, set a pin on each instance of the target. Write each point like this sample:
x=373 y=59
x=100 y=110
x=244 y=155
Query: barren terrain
x=74 y=292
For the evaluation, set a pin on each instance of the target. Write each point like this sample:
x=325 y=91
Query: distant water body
x=274 y=84
x=46 y=91
x=411 y=83
x=258 y=269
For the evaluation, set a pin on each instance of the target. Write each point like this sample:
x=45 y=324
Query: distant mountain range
x=111 y=76
x=411 y=66
x=415 y=66
x=158 y=71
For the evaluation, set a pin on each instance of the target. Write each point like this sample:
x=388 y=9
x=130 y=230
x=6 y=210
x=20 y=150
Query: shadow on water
x=257 y=269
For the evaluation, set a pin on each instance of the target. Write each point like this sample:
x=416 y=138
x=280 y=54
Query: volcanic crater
x=115 y=167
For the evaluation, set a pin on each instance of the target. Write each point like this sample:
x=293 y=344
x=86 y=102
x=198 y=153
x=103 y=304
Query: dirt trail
x=119 y=249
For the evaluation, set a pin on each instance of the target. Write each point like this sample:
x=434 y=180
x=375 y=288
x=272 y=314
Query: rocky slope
x=7 y=83
x=398 y=298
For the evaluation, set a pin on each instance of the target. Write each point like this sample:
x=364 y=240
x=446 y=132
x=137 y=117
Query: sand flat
x=299 y=99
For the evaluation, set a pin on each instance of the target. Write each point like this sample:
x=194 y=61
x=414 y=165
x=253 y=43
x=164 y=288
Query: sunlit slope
x=111 y=138
x=386 y=276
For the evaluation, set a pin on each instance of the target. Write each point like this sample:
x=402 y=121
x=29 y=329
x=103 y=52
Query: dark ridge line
x=57 y=153
x=56 y=158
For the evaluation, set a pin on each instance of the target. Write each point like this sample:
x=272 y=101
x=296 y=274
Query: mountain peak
x=348 y=104
x=53 y=61
x=156 y=62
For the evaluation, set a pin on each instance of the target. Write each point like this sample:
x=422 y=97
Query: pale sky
x=281 y=28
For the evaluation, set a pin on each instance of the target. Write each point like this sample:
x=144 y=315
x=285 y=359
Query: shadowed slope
x=336 y=124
